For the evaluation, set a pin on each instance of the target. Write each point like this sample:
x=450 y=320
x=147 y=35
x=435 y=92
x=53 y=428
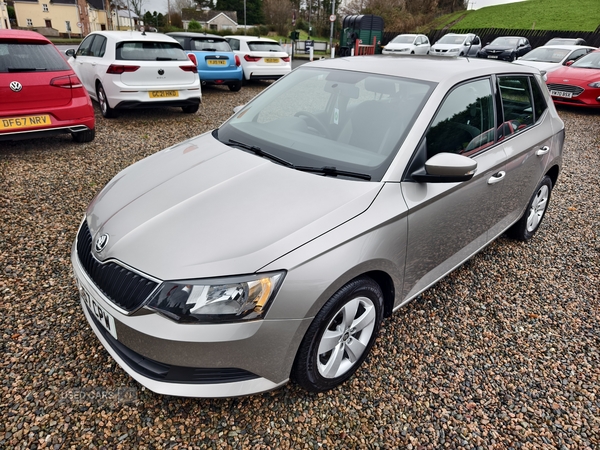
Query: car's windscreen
x=353 y=121
x=210 y=45
x=262 y=46
x=35 y=57
x=150 y=51
x=505 y=42
x=589 y=61
x=546 y=54
x=451 y=40
x=403 y=40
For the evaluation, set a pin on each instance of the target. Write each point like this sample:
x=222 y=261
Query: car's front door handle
x=497 y=177
x=542 y=151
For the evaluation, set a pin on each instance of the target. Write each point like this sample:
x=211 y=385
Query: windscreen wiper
x=326 y=170
x=332 y=171
x=260 y=152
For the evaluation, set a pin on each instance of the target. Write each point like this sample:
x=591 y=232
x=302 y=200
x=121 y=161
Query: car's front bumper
x=192 y=360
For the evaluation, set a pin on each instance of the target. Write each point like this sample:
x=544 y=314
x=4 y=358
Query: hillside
x=582 y=15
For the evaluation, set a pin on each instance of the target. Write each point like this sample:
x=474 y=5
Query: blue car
x=217 y=64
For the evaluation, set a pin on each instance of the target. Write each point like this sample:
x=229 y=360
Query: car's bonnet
x=202 y=209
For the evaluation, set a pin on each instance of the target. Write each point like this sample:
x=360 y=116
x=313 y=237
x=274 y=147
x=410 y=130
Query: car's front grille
x=575 y=90
x=173 y=374
x=126 y=289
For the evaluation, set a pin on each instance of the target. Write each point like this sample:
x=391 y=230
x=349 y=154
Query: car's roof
x=408 y=34
x=251 y=38
x=23 y=34
x=191 y=34
x=566 y=47
x=428 y=68
x=510 y=37
x=135 y=36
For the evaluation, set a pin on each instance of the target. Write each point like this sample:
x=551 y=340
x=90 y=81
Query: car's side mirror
x=238 y=108
x=568 y=63
x=446 y=168
x=70 y=52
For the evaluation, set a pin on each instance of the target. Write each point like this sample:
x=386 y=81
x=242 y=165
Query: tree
x=194 y=26
x=137 y=6
x=253 y=10
x=279 y=14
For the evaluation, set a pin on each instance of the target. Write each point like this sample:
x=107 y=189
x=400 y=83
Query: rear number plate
x=15 y=123
x=271 y=60
x=216 y=62
x=561 y=94
x=163 y=94
x=101 y=315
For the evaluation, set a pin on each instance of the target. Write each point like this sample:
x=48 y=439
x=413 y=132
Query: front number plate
x=15 y=123
x=105 y=319
x=492 y=57
x=561 y=94
x=163 y=94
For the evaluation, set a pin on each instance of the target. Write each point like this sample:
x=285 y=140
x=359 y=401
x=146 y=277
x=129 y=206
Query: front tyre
x=529 y=223
x=340 y=337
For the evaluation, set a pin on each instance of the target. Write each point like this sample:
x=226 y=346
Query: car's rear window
x=34 y=57
x=150 y=51
x=210 y=45
x=261 y=46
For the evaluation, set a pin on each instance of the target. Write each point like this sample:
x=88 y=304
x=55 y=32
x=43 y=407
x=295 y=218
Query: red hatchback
x=577 y=84
x=41 y=95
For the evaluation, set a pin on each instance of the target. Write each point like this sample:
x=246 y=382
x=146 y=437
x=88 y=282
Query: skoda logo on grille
x=15 y=86
x=101 y=242
x=161 y=72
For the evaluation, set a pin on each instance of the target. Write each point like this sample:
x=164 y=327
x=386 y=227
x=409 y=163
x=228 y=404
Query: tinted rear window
x=210 y=45
x=259 y=46
x=150 y=51
x=22 y=57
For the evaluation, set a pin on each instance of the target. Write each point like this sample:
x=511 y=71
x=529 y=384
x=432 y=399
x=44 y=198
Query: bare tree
x=279 y=14
x=137 y=6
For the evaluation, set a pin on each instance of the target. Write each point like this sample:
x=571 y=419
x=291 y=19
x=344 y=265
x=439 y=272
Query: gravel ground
x=503 y=353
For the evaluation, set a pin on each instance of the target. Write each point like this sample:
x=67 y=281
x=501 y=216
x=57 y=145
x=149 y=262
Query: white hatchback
x=414 y=44
x=130 y=69
x=262 y=58
x=552 y=57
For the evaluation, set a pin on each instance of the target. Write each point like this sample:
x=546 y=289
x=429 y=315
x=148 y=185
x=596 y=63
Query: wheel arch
x=553 y=174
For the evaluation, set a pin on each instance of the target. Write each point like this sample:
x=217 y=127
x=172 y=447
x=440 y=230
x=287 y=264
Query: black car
x=566 y=41
x=507 y=48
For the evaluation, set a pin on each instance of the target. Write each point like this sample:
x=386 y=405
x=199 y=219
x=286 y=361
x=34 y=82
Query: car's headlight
x=595 y=84
x=453 y=50
x=217 y=300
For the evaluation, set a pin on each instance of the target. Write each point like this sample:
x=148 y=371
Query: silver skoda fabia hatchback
x=273 y=247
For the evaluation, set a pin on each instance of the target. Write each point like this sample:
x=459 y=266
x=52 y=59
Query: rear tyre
x=340 y=337
x=191 y=109
x=236 y=86
x=105 y=109
x=84 y=136
x=529 y=223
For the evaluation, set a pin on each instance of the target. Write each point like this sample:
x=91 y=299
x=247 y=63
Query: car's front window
x=353 y=121
x=35 y=57
x=550 y=55
x=505 y=42
x=452 y=40
x=150 y=51
x=403 y=40
x=589 y=61
x=210 y=45
x=262 y=46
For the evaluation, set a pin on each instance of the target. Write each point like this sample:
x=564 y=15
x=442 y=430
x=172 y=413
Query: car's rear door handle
x=542 y=151
x=497 y=177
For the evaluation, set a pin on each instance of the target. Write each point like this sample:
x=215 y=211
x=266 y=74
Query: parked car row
x=571 y=68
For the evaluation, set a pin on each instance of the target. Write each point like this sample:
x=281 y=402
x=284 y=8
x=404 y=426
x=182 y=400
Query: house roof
x=206 y=16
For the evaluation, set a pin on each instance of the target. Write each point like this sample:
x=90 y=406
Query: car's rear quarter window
x=30 y=57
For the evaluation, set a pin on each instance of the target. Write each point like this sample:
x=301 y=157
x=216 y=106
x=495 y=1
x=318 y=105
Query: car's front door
x=449 y=222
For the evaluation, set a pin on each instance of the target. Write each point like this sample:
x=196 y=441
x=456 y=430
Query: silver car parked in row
x=274 y=246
